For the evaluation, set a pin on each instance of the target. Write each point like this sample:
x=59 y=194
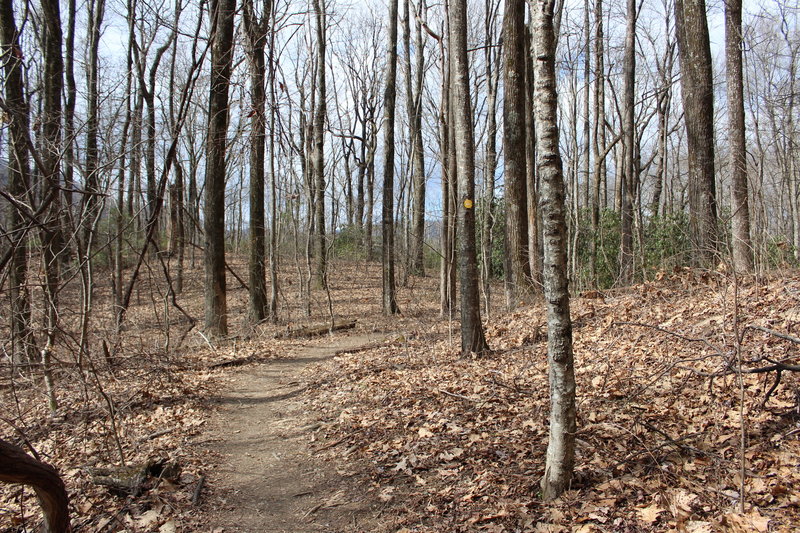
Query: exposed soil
x=270 y=478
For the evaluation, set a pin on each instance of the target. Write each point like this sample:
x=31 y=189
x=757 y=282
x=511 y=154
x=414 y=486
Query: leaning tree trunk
x=216 y=308
x=472 y=335
x=561 y=446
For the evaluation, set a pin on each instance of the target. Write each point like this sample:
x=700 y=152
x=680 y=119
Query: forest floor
x=402 y=433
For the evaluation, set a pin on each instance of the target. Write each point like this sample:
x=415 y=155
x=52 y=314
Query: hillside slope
x=454 y=444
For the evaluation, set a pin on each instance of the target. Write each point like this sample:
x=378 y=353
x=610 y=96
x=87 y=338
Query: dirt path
x=269 y=479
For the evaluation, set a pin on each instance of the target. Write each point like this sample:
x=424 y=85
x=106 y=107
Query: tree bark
x=216 y=310
x=387 y=219
x=414 y=81
x=319 y=145
x=255 y=31
x=16 y=466
x=629 y=179
x=741 y=243
x=561 y=445
x=472 y=335
x=697 y=90
x=599 y=144
x=518 y=271
x=52 y=237
x=22 y=338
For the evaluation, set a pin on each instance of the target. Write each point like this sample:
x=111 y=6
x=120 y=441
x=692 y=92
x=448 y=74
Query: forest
x=472 y=265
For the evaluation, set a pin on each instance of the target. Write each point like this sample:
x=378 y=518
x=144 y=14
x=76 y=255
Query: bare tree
x=255 y=27
x=22 y=338
x=561 y=445
x=697 y=90
x=216 y=308
x=52 y=238
x=387 y=220
x=742 y=246
x=318 y=160
x=517 y=267
x=414 y=84
x=630 y=178
x=473 y=339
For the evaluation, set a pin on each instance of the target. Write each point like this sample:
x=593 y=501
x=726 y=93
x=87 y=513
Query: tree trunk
x=629 y=179
x=255 y=32
x=52 y=238
x=561 y=446
x=518 y=271
x=488 y=220
x=216 y=310
x=414 y=109
x=472 y=335
x=599 y=144
x=697 y=90
x=319 y=144
x=742 y=246
x=387 y=219
x=22 y=338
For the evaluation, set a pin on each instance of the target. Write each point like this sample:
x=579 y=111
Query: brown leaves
x=658 y=444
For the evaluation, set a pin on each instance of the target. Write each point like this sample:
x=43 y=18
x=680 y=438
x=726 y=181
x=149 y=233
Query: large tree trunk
x=387 y=219
x=518 y=271
x=472 y=335
x=697 y=89
x=561 y=445
x=742 y=246
x=216 y=308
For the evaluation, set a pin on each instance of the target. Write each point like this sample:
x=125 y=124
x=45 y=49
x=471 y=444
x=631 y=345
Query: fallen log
x=16 y=466
x=316 y=330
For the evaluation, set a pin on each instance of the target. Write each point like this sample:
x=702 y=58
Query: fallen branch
x=459 y=396
x=238 y=362
x=365 y=348
x=316 y=331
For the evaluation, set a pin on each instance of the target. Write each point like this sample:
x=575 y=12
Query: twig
x=157 y=434
x=339 y=441
x=198 y=489
x=784 y=336
x=207 y=341
x=462 y=397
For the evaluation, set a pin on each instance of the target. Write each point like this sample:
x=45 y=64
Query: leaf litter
x=446 y=443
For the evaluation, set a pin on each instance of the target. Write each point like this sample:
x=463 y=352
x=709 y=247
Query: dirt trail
x=269 y=480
